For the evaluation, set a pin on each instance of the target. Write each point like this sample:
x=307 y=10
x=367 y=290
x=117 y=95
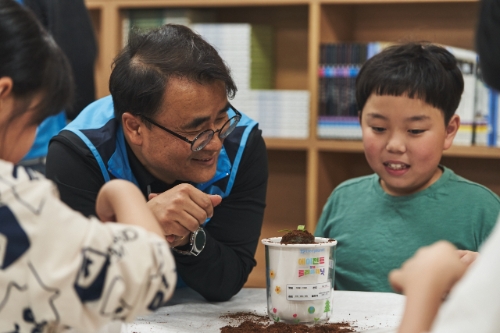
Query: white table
x=189 y=312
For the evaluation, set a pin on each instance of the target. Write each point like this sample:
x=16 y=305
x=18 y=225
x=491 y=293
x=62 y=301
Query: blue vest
x=103 y=134
x=47 y=129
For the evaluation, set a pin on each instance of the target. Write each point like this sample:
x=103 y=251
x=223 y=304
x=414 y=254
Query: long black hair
x=36 y=65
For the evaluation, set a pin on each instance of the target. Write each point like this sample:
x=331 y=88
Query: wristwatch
x=197 y=241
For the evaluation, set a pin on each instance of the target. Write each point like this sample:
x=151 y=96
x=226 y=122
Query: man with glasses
x=168 y=127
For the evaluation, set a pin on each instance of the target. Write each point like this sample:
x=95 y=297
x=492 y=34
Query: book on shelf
x=494 y=117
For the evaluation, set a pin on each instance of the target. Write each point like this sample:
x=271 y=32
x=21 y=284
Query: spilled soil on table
x=250 y=322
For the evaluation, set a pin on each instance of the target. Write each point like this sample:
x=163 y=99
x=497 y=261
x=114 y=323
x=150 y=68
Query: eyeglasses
x=202 y=139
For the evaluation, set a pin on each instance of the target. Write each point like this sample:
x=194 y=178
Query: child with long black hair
x=57 y=268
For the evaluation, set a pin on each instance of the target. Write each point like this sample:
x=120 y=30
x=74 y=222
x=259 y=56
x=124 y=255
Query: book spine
x=493 y=135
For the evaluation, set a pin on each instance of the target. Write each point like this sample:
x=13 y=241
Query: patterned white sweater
x=59 y=268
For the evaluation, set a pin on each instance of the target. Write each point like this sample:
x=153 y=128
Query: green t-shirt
x=377 y=232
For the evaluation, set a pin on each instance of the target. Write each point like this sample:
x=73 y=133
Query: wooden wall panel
x=286 y=197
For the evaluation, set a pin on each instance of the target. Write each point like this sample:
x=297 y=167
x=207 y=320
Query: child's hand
x=437 y=265
x=425 y=279
x=121 y=201
x=467 y=257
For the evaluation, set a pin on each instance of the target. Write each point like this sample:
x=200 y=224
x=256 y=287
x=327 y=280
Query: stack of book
x=473 y=107
x=146 y=19
x=280 y=113
x=486 y=121
x=339 y=67
x=338 y=113
x=246 y=48
x=248 y=51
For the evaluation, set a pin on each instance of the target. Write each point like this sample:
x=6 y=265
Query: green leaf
x=301 y=227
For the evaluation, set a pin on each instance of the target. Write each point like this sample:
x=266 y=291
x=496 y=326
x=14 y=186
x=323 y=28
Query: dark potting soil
x=251 y=322
x=298 y=237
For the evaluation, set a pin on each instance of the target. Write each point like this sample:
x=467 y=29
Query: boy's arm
x=425 y=279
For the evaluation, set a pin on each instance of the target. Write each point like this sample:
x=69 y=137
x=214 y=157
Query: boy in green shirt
x=407 y=96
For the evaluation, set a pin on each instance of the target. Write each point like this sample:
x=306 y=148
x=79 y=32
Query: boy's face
x=404 y=139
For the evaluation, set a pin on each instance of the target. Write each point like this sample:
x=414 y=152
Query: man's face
x=189 y=108
x=404 y=139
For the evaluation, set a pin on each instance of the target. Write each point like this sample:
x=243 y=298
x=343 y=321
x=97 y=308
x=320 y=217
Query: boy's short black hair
x=418 y=70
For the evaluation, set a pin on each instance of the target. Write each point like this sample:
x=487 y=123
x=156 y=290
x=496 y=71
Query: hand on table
x=181 y=210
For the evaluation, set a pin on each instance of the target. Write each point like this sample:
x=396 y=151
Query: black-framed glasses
x=202 y=139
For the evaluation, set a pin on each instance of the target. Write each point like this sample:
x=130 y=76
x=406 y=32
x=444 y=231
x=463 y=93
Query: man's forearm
x=218 y=273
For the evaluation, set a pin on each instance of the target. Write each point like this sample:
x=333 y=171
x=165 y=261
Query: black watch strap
x=196 y=244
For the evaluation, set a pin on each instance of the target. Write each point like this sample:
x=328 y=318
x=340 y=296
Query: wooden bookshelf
x=304 y=172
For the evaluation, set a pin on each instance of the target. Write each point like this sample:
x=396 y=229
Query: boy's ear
x=132 y=128
x=451 y=131
x=5 y=86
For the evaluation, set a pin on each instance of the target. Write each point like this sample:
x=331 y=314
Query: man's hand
x=181 y=210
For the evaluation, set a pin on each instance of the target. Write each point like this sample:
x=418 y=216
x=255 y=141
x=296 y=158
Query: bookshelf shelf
x=303 y=172
x=340 y=146
x=474 y=152
x=287 y=144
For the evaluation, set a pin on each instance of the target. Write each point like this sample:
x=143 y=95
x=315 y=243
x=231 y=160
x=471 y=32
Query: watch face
x=200 y=239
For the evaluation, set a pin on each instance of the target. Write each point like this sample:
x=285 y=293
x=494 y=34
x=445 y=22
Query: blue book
x=493 y=135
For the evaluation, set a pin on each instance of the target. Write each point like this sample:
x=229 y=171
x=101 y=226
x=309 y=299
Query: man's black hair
x=142 y=70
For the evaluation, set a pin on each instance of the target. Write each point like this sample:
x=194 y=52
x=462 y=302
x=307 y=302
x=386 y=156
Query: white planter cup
x=300 y=280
